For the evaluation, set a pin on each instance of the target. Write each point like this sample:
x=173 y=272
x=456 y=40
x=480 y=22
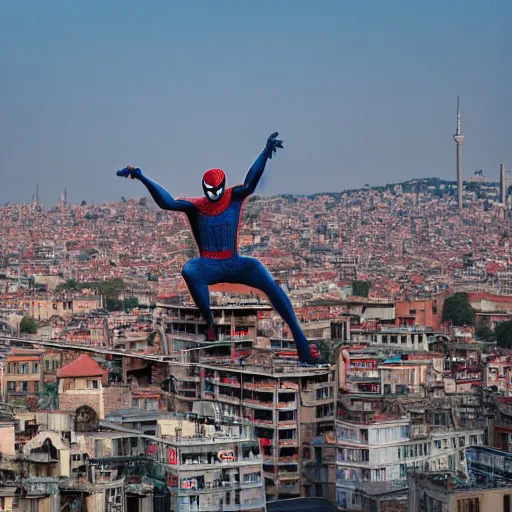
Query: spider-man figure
x=215 y=219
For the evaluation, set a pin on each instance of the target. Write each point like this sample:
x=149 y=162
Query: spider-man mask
x=214 y=184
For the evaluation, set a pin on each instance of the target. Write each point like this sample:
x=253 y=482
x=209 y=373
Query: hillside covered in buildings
x=113 y=400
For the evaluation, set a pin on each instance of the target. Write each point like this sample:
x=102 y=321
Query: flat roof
x=227 y=306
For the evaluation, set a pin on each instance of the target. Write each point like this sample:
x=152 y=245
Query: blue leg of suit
x=199 y=273
x=253 y=273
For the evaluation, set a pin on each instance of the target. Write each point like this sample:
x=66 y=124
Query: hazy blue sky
x=360 y=91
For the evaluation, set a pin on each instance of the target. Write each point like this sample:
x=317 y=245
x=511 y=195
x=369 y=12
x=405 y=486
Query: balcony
x=227 y=383
x=219 y=465
x=259 y=421
x=287 y=442
x=258 y=504
x=228 y=399
x=268 y=459
x=251 y=402
x=287 y=476
x=289 y=488
x=419 y=431
x=287 y=405
x=213 y=487
x=352 y=461
x=261 y=386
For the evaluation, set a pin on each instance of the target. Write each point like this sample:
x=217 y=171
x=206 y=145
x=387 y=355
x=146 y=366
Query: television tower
x=503 y=185
x=459 y=139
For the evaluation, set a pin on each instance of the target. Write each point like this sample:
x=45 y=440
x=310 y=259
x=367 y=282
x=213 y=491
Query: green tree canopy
x=458 y=310
x=361 y=288
x=504 y=334
x=483 y=329
x=28 y=325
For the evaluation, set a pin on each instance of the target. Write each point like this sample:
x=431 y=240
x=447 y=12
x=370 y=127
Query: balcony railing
x=287 y=405
x=186 y=507
x=219 y=486
x=261 y=386
x=418 y=431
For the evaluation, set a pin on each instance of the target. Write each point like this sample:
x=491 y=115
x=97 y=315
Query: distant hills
x=435 y=186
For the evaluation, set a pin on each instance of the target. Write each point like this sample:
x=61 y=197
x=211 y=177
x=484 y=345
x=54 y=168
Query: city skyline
x=360 y=94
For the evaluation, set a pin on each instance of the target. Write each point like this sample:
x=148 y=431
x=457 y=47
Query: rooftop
x=83 y=366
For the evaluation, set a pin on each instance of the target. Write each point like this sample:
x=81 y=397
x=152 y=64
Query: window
x=76 y=457
x=46 y=364
x=473 y=440
x=380 y=474
x=439 y=418
x=437 y=445
x=36 y=387
x=23 y=368
x=434 y=505
x=468 y=505
x=151 y=405
x=35 y=367
x=92 y=384
x=24 y=386
x=404 y=431
x=252 y=478
x=324 y=410
x=507 y=503
x=462 y=442
x=11 y=386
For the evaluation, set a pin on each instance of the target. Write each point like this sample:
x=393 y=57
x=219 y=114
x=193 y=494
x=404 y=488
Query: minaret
x=503 y=185
x=459 y=139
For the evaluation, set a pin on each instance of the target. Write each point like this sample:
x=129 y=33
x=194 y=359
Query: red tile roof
x=83 y=366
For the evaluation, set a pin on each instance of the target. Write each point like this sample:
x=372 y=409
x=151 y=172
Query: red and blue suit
x=215 y=220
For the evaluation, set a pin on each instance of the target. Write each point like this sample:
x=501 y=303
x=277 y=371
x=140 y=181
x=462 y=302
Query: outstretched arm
x=162 y=198
x=255 y=172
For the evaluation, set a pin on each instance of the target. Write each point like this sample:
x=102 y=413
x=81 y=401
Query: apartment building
x=219 y=469
x=254 y=378
x=23 y=378
x=382 y=451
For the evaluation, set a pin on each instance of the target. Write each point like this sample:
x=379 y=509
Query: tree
x=69 y=286
x=457 y=310
x=28 y=325
x=131 y=302
x=113 y=304
x=504 y=334
x=483 y=329
x=111 y=288
x=361 y=288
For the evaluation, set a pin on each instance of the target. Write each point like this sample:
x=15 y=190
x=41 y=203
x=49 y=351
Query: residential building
x=23 y=378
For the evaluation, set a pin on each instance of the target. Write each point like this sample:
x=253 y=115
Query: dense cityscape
x=113 y=399
x=255 y=256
